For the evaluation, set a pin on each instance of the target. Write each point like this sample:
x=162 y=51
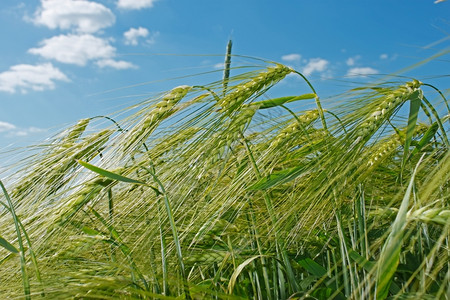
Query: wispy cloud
x=30 y=77
x=133 y=34
x=294 y=57
x=11 y=130
x=115 y=64
x=81 y=15
x=77 y=49
x=315 y=65
x=351 y=61
x=5 y=126
x=135 y=4
x=219 y=66
x=383 y=56
x=361 y=72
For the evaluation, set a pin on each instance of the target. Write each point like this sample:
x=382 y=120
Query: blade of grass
x=428 y=135
x=115 y=176
x=114 y=236
x=414 y=107
x=280 y=101
x=277 y=178
x=30 y=248
x=438 y=119
x=390 y=253
x=5 y=244
x=25 y=278
x=238 y=271
x=279 y=243
x=174 y=232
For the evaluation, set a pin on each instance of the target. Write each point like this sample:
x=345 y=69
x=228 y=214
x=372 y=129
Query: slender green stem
x=319 y=105
x=111 y=220
x=174 y=232
x=438 y=120
x=162 y=238
x=281 y=252
x=30 y=248
x=440 y=93
x=25 y=279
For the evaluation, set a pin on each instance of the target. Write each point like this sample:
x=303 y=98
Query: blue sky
x=62 y=60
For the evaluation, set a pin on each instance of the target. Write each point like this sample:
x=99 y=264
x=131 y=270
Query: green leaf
x=238 y=271
x=325 y=294
x=438 y=120
x=4 y=243
x=390 y=253
x=312 y=267
x=114 y=176
x=282 y=100
x=108 y=174
x=414 y=107
x=112 y=230
x=361 y=261
x=277 y=178
x=428 y=135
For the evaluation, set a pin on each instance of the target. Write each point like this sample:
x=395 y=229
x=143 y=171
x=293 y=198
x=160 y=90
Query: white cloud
x=361 y=72
x=11 y=130
x=219 y=66
x=18 y=132
x=315 y=65
x=30 y=77
x=75 y=49
x=352 y=60
x=116 y=64
x=35 y=130
x=5 y=126
x=135 y=4
x=383 y=56
x=294 y=57
x=81 y=15
x=132 y=35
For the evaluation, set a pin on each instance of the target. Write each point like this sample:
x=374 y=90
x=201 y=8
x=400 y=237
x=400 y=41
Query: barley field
x=217 y=191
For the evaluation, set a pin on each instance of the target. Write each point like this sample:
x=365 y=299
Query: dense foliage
x=219 y=192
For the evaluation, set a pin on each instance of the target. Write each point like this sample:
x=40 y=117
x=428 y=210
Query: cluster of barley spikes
x=221 y=192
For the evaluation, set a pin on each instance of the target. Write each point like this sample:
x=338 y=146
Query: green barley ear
x=226 y=71
x=162 y=110
x=75 y=132
x=440 y=215
x=298 y=125
x=387 y=146
x=244 y=91
x=387 y=107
